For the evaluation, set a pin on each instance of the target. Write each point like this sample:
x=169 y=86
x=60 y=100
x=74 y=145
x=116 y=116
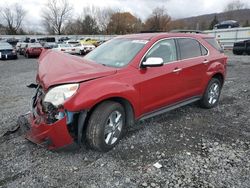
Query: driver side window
x=164 y=49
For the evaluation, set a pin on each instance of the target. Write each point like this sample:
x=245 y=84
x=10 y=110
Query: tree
x=214 y=22
x=103 y=18
x=55 y=15
x=158 y=20
x=100 y=15
x=12 y=17
x=89 y=26
x=123 y=23
x=235 y=5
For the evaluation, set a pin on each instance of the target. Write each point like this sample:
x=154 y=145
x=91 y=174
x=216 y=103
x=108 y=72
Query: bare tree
x=55 y=15
x=102 y=16
x=158 y=21
x=235 y=5
x=12 y=17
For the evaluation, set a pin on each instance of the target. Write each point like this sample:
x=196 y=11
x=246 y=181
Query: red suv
x=128 y=78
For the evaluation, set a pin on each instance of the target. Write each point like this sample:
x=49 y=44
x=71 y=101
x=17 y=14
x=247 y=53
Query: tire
x=211 y=96
x=105 y=126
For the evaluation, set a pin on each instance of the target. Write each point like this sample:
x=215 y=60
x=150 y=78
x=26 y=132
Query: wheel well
x=220 y=77
x=129 y=111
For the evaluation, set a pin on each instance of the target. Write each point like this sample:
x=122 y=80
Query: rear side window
x=213 y=42
x=189 y=48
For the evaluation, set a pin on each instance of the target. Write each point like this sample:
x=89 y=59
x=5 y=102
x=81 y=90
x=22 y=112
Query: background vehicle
x=83 y=48
x=227 y=24
x=62 y=39
x=22 y=48
x=71 y=42
x=88 y=41
x=50 y=41
x=129 y=78
x=242 y=47
x=7 y=51
x=66 y=48
x=33 y=50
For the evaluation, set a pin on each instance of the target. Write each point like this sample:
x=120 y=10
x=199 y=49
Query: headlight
x=59 y=94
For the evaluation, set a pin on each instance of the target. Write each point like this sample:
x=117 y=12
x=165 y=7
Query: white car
x=66 y=48
x=84 y=48
x=71 y=42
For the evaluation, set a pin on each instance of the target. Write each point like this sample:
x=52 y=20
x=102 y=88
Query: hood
x=55 y=68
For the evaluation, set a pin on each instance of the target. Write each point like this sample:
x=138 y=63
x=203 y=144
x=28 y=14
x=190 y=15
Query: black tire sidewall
x=97 y=122
x=204 y=101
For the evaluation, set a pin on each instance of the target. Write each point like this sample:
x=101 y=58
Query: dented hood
x=56 y=68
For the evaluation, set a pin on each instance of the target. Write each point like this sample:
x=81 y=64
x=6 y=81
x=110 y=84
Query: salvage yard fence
x=227 y=37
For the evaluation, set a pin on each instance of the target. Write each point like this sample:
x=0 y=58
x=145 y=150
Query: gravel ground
x=194 y=147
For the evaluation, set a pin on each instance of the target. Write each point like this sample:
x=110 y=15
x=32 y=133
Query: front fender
x=93 y=92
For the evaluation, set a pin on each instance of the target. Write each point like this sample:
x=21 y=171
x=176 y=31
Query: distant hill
x=203 y=22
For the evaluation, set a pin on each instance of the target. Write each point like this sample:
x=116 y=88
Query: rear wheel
x=212 y=94
x=105 y=126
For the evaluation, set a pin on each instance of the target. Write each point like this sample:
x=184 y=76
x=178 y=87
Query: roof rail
x=187 y=31
x=152 y=31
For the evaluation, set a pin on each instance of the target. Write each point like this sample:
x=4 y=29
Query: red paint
x=145 y=89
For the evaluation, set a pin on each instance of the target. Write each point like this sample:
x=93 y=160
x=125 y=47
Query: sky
x=142 y=8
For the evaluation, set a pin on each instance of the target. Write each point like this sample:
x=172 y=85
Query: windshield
x=117 y=52
x=35 y=45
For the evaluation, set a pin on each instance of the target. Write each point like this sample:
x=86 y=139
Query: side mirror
x=153 y=62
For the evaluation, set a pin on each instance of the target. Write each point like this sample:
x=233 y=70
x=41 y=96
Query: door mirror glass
x=153 y=62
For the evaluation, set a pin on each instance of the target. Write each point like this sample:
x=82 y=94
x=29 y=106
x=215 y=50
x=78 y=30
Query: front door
x=160 y=86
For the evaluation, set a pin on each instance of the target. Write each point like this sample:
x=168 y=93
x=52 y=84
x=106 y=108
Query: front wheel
x=105 y=126
x=212 y=94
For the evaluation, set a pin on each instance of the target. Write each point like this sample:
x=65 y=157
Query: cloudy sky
x=142 y=8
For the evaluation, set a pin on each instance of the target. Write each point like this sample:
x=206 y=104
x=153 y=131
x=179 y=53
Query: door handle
x=177 y=70
x=205 y=61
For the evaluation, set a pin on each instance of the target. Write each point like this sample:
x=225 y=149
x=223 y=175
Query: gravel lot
x=196 y=147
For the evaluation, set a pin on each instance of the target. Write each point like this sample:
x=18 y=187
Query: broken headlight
x=57 y=95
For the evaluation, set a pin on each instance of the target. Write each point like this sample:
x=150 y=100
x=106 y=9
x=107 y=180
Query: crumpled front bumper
x=52 y=136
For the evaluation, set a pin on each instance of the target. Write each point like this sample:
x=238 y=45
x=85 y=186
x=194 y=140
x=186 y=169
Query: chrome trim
x=208 y=52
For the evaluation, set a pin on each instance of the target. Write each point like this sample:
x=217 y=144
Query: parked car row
x=33 y=47
x=29 y=49
x=70 y=46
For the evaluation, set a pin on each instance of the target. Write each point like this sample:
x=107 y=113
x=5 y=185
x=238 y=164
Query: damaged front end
x=51 y=125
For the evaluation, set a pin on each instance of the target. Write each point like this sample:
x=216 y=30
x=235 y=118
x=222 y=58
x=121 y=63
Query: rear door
x=193 y=61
